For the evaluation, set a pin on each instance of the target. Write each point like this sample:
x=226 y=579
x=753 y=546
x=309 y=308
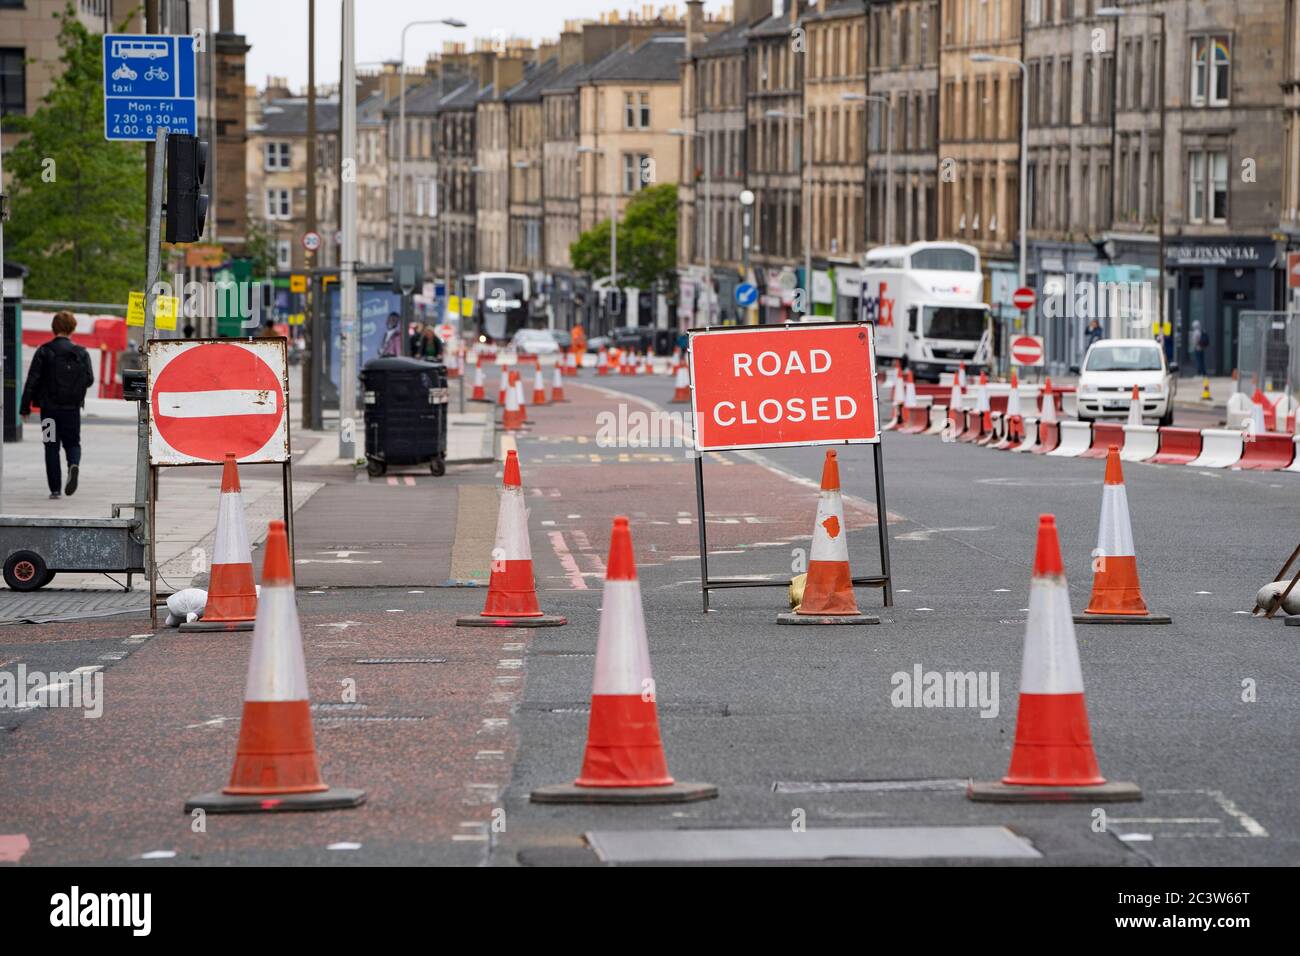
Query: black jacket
x=59 y=376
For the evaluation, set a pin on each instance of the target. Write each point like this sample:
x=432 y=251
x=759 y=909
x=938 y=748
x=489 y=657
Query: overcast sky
x=277 y=29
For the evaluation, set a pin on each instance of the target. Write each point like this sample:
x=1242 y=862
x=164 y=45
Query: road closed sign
x=208 y=398
x=762 y=388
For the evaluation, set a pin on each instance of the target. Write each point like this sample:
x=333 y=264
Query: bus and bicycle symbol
x=140 y=49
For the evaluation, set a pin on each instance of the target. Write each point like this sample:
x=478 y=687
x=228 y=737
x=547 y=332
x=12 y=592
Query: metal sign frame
x=155 y=470
x=884 y=580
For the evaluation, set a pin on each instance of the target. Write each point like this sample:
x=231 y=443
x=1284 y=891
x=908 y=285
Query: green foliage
x=78 y=218
x=260 y=246
x=647 y=240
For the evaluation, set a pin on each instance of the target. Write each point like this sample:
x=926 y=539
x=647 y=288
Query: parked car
x=535 y=342
x=563 y=338
x=636 y=338
x=1110 y=370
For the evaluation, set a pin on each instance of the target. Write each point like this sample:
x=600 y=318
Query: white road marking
x=218 y=403
x=344 y=846
x=157 y=855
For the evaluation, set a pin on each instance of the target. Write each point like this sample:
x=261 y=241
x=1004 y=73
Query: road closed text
x=787 y=386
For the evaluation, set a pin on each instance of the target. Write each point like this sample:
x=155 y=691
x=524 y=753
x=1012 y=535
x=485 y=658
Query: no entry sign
x=210 y=397
x=810 y=385
x=1027 y=350
x=1023 y=298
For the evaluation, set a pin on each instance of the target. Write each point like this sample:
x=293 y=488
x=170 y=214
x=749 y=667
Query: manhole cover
x=830 y=843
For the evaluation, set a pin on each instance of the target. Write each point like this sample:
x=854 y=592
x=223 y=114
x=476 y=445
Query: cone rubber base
x=678 y=792
x=1293 y=621
x=494 y=620
x=1122 y=619
x=793 y=618
x=997 y=792
x=201 y=625
x=335 y=798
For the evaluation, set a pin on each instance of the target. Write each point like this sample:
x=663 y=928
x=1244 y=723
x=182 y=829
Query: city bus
x=501 y=304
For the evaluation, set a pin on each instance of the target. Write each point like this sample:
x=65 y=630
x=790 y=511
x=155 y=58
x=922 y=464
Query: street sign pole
x=143 y=473
x=348 y=252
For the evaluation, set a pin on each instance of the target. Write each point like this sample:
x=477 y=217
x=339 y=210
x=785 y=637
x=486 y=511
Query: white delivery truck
x=925 y=300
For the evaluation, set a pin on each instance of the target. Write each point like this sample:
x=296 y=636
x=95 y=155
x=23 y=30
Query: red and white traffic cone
x=276 y=767
x=512 y=592
x=1116 y=591
x=961 y=375
x=512 y=418
x=682 y=384
x=479 y=394
x=517 y=381
x=828 y=588
x=539 y=386
x=602 y=362
x=1260 y=413
x=1135 y=409
x=557 y=386
x=898 y=400
x=624 y=760
x=571 y=364
x=502 y=382
x=1015 y=421
x=232 y=597
x=1052 y=759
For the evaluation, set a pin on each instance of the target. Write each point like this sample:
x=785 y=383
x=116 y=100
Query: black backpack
x=69 y=376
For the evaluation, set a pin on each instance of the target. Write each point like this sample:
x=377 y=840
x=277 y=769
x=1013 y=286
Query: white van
x=1110 y=370
x=927 y=305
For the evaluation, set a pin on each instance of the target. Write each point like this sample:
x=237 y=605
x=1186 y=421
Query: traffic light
x=187 y=207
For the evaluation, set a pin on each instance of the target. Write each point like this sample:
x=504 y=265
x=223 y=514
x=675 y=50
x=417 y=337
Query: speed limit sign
x=311 y=241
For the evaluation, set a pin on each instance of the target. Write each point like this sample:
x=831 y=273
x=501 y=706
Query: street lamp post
x=401 y=123
x=807 y=212
x=1116 y=13
x=1024 y=175
x=746 y=206
x=708 y=214
x=889 y=156
x=613 y=213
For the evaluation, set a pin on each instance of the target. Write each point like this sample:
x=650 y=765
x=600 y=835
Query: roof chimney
x=694 y=25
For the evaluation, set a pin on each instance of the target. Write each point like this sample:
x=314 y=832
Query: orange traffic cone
x=512 y=419
x=682 y=384
x=232 y=598
x=557 y=386
x=502 y=381
x=512 y=592
x=479 y=394
x=1263 y=413
x=517 y=383
x=624 y=760
x=539 y=386
x=602 y=362
x=1052 y=759
x=828 y=589
x=1116 y=592
x=275 y=761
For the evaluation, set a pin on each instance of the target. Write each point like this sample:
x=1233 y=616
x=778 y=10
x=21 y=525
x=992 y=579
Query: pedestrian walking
x=1200 y=347
x=430 y=348
x=56 y=383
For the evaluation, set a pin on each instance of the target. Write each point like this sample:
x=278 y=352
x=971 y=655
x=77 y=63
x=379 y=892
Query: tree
x=260 y=245
x=647 y=240
x=78 y=199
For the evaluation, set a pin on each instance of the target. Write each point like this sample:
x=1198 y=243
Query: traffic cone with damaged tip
x=539 y=386
x=624 y=759
x=682 y=384
x=828 y=588
x=275 y=760
x=1052 y=758
x=512 y=591
x=232 y=597
x=1116 y=592
x=557 y=386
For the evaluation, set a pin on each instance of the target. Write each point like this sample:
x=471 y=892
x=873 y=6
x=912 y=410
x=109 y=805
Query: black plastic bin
x=406 y=414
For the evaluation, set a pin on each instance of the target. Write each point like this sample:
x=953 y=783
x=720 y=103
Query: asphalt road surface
x=450 y=729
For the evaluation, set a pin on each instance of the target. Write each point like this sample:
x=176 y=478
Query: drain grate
x=370 y=719
x=696 y=708
x=401 y=660
x=330 y=708
x=868 y=786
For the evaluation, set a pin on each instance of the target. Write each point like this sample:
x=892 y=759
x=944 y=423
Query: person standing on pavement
x=1200 y=346
x=1093 y=335
x=56 y=383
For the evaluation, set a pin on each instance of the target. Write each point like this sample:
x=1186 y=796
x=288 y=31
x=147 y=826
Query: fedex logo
x=878 y=309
